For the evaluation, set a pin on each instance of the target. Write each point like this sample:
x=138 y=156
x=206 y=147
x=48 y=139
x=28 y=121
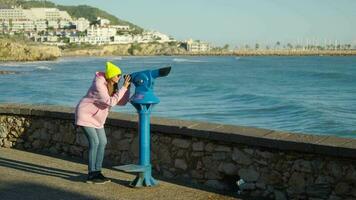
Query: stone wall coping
x=326 y=145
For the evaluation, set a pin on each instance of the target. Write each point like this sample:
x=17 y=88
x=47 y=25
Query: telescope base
x=143 y=178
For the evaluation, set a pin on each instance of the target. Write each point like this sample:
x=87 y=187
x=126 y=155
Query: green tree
x=257 y=46
x=290 y=46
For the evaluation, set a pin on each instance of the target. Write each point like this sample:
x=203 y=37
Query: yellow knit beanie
x=111 y=70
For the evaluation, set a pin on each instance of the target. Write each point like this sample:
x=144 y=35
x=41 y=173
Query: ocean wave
x=186 y=60
x=43 y=68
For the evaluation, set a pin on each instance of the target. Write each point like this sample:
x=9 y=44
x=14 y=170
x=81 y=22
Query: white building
x=120 y=28
x=81 y=24
x=197 y=46
x=103 y=22
x=123 y=39
x=94 y=31
x=36 y=19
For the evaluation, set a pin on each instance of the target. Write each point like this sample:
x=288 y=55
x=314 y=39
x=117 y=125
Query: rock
x=81 y=140
x=297 y=183
x=68 y=136
x=164 y=155
x=198 y=146
x=324 y=179
x=3 y=131
x=53 y=150
x=209 y=147
x=249 y=175
x=222 y=148
x=264 y=154
x=210 y=174
x=261 y=185
x=228 y=168
x=335 y=169
x=197 y=174
x=343 y=188
x=199 y=165
x=249 y=151
x=279 y=195
x=302 y=166
x=8 y=72
x=7 y=144
x=134 y=148
x=333 y=197
x=37 y=144
x=45 y=136
x=180 y=153
x=182 y=143
x=165 y=139
x=75 y=150
x=219 y=156
x=123 y=145
x=118 y=134
x=58 y=137
x=240 y=157
x=180 y=164
x=247 y=186
x=321 y=190
x=14 y=133
x=22 y=51
x=36 y=134
x=216 y=184
x=167 y=174
x=198 y=154
x=125 y=158
x=1 y=143
x=27 y=145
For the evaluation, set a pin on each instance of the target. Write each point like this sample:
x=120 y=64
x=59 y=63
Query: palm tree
x=257 y=46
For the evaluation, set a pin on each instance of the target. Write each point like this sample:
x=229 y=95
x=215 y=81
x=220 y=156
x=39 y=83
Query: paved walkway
x=25 y=175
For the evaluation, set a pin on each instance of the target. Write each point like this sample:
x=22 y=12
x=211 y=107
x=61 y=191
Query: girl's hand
x=127 y=81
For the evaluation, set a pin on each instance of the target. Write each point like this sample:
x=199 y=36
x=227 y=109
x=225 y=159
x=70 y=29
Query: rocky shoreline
x=8 y=72
x=20 y=51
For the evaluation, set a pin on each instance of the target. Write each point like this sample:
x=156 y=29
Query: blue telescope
x=143 y=100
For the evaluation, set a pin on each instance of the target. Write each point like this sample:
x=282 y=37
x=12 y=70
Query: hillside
x=85 y=11
x=14 y=50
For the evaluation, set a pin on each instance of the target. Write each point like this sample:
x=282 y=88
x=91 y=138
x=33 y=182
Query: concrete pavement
x=25 y=175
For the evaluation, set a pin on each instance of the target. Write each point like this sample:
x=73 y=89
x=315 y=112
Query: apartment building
x=34 y=19
x=197 y=46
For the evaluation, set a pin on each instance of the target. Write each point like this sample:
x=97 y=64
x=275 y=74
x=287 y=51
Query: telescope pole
x=144 y=131
x=144 y=178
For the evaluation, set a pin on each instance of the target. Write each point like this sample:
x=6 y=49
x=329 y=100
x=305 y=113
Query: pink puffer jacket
x=94 y=107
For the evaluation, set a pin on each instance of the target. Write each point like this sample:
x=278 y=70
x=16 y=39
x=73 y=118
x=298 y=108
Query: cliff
x=21 y=51
x=147 y=49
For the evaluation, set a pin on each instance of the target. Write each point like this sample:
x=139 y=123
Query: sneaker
x=102 y=177
x=93 y=178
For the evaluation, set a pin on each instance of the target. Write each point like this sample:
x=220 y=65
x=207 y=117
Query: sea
x=311 y=95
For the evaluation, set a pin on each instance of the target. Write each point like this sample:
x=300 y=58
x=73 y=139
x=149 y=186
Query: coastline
x=22 y=52
x=14 y=51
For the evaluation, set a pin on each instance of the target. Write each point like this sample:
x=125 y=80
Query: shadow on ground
x=21 y=190
x=31 y=191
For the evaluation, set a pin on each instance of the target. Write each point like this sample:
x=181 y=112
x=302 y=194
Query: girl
x=92 y=111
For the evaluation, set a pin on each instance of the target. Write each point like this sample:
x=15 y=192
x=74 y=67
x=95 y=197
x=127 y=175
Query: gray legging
x=97 y=142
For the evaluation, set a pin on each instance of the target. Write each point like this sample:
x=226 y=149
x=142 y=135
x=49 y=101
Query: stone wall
x=265 y=163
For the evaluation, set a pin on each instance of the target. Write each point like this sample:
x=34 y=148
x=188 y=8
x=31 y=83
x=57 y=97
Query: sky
x=239 y=22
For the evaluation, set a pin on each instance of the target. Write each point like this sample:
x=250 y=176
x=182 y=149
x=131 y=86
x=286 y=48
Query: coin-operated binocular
x=143 y=100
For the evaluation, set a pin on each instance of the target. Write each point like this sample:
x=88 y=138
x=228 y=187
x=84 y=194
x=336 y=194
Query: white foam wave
x=43 y=68
x=185 y=60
